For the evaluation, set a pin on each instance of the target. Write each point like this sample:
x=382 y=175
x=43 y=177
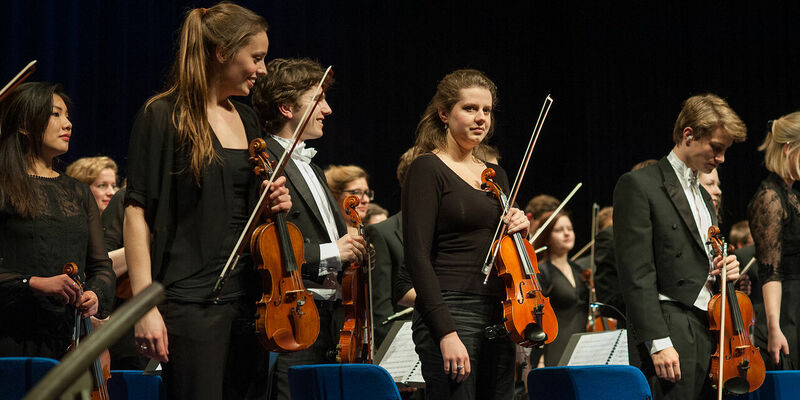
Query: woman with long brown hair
x=448 y=223
x=47 y=219
x=190 y=192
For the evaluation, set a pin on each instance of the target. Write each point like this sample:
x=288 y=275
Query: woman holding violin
x=562 y=283
x=448 y=224
x=774 y=214
x=190 y=191
x=47 y=220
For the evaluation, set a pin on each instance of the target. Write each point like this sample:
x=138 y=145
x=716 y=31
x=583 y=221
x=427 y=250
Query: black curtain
x=618 y=74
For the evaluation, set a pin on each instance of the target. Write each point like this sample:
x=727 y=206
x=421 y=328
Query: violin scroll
x=488 y=184
x=350 y=203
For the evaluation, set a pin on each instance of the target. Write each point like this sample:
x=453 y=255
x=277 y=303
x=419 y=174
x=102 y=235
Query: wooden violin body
x=355 y=338
x=288 y=319
x=101 y=367
x=529 y=317
x=732 y=316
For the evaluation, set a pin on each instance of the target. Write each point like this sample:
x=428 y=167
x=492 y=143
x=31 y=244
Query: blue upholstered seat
x=132 y=385
x=18 y=375
x=596 y=382
x=341 y=382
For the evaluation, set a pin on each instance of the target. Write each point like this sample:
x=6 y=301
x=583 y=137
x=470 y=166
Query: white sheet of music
x=400 y=359
x=601 y=348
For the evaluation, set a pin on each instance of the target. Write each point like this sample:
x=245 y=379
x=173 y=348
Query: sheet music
x=601 y=348
x=400 y=358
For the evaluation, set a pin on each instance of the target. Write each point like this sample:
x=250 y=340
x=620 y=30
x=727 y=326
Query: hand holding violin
x=352 y=248
x=517 y=222
x=279 y=198
x=731 y=270
x=88 y=304
x=61 y=286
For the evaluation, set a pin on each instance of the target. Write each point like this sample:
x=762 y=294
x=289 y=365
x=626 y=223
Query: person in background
x=100 y=173
x=711 y=184
x=539 y=205
x=347 y=180
x=562 y=282
x=375 y=214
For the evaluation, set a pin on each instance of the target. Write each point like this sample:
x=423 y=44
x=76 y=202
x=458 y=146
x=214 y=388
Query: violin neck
x=285 y=243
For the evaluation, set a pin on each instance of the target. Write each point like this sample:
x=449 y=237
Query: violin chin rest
x=534 y=333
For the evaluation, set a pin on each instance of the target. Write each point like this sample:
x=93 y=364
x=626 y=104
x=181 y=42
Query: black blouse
x=67 y=230
x=774 y=215
x=189 y=224
x=447 y=229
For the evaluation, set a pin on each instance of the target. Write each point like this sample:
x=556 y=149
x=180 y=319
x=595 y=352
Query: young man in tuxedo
x=661 y=221
x=280 y=98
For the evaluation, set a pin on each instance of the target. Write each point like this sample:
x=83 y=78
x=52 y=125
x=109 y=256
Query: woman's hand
x=279 y=199
x=61 y=286
x=455 y=357
x=88 y=304
x=151 y=336
x=776 y=344
x=517 y=222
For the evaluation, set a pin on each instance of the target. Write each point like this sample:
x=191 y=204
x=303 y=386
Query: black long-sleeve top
x=447 y=230
x=193 y=227
x=67 y=230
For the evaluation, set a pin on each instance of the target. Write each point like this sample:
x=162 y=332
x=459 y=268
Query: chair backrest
x=132 y=385
x=18 y=375
x=341 y=382
x=778 y=385
x=588 y=382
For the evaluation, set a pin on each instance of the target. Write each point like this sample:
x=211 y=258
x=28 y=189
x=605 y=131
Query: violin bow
x=723 y=305
x=19 y=78
x=233 y=259
x=557 y=210
x=595 y=210
x=501 y=227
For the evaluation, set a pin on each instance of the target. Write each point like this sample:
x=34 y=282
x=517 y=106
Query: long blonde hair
x=430 y=130
x=226 y=28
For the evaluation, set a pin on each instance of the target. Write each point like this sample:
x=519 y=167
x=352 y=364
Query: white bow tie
x=303 y=153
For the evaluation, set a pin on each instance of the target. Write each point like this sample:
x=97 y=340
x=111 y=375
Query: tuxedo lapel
x=398 y=226
x=341 y=225
x=298 y=183
x=678 y=197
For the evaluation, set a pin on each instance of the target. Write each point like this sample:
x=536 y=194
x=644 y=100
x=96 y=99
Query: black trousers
x=213 y=352
x=331 y=319
x=492 y=361
x=688 y=330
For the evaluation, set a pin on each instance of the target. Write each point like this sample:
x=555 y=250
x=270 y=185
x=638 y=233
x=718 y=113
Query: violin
x=595 y=321
x=356 y=342
x=101 y=367
x=529 y=317
x=736 y=365
x=288 y=319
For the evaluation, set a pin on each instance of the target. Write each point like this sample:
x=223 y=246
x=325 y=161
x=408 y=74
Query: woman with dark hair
x=47 y=219
x=562 y=283
x=190 y=192
x=448 y=223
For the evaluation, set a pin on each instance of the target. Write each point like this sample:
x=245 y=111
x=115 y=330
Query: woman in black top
x=562 y=283
x=190 y=186
x=448 y=223
x=47 y=219
x=774 y=214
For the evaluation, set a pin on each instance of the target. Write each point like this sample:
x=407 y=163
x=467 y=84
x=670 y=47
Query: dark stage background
x=618 y=75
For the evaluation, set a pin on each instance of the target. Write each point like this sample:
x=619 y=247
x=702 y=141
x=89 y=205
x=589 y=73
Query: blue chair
x=596 y=382
x=132 y=385
x=18 y=375
x=778 y=385
x=341 y=382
